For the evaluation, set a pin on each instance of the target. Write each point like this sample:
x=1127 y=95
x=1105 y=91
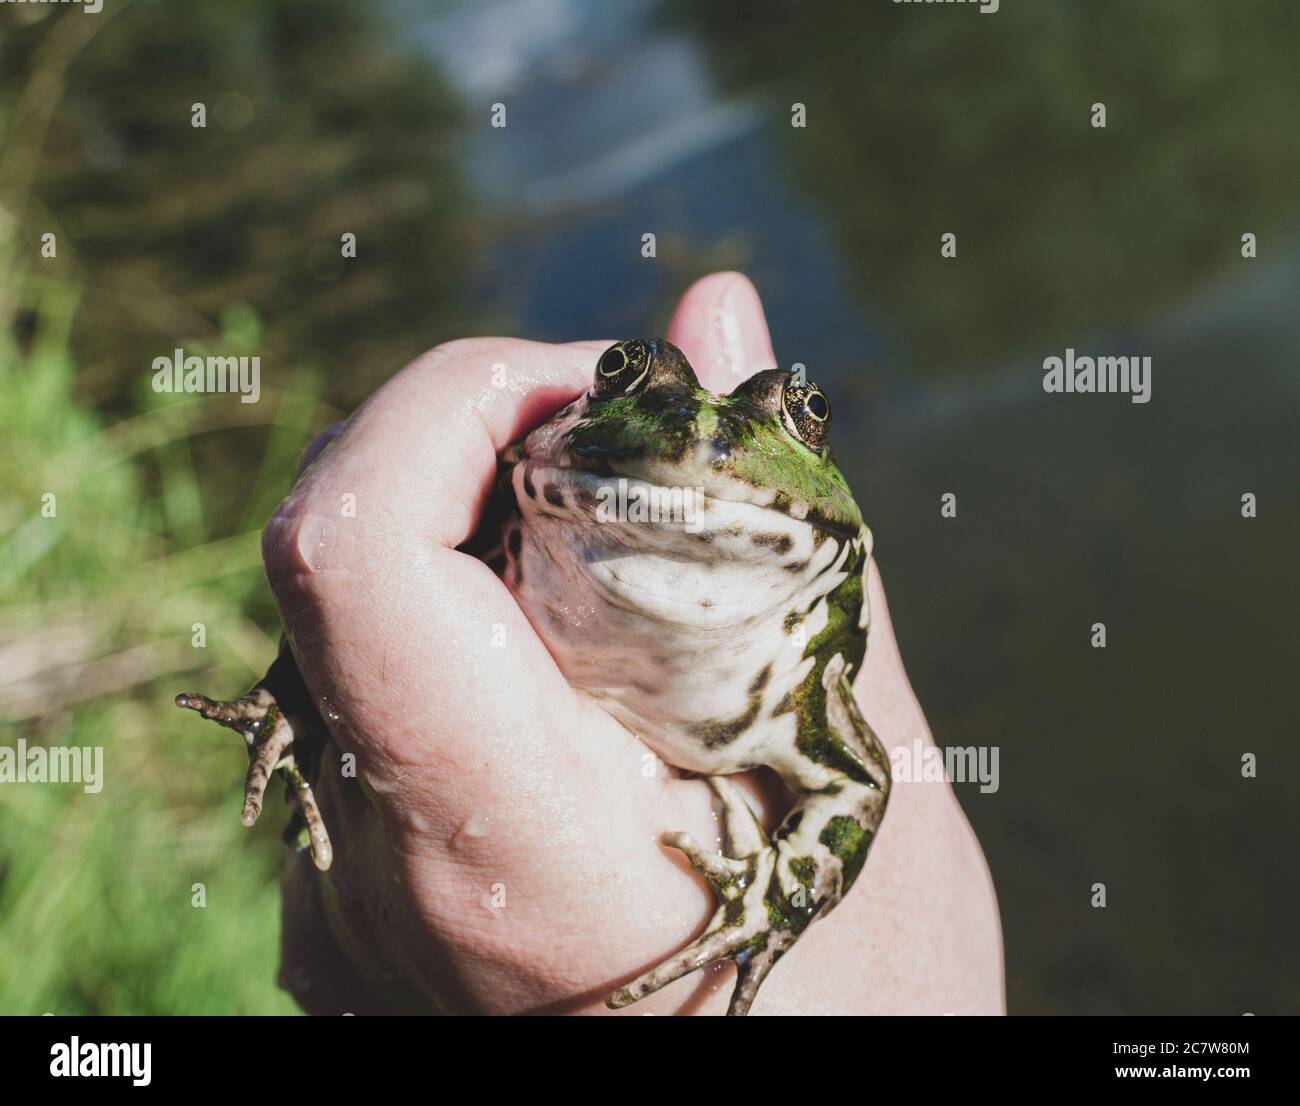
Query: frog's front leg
x=769 y=893
x=283 y=731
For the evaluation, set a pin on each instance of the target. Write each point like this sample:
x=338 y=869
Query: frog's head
x=646 y=418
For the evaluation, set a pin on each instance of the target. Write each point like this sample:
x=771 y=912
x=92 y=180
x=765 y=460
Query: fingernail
x=315 y=542
x=295 y=543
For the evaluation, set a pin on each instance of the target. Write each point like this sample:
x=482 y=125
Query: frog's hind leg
x=770 y=893
x=281 y=730
x=745 y=837
x=738 y=929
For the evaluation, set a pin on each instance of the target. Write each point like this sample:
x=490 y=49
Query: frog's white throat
x=671 y=608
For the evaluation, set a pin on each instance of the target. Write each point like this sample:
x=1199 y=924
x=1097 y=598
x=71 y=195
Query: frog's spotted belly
x=695 y=641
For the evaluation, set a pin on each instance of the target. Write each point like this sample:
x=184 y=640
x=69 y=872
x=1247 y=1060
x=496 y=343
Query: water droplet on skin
x=713 y=977
x=475 y=826
x=719 y=833
x=327 y=710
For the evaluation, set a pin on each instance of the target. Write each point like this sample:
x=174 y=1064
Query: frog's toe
x=270 y=740
x=717 y=944
x=752 y=966
x=322 y=852
x=242 y=714
x=719 y=870
x=721 y=942
x=265 y=730
x=738 y=929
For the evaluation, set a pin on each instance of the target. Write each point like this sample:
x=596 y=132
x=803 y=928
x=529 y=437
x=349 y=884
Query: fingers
x=388 y=622
x=422 y=450
x=720 y=326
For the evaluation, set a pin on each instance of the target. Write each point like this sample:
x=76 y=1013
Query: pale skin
x=497 y=851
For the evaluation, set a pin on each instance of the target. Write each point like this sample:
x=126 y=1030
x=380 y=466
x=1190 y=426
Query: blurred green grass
x=97 y=891
x=221 y=240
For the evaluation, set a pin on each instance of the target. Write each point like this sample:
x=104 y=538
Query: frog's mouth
x=699 y=561
x=721 y=507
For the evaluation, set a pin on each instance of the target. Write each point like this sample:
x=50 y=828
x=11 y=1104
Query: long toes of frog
x=244 y=714
x=752 y=966
x=268 y=751
x=270 y=739
x=322 y=852
x=740 y=924
x=717 y=944
x=266 y=732
x=724 y=872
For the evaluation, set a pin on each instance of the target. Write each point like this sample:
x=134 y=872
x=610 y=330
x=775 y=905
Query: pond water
x=1119 y=766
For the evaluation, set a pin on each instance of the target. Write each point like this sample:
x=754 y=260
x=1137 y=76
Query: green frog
x=697 y=564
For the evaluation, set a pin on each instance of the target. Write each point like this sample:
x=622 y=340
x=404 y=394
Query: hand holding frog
x=497 y=845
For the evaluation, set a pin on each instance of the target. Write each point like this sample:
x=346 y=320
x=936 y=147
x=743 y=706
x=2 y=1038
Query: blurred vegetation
x=924 y=121
x=98 y=604
x=224 y=240
x=317 y=125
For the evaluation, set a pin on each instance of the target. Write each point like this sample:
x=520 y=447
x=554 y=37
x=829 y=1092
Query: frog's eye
x=806 y=412
x=621 y=368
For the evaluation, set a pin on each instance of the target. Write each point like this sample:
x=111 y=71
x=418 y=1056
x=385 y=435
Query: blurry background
x=1119 y=766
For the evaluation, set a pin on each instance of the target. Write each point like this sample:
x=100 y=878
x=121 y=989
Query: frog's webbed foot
x=272 y=742
x=742 y=928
